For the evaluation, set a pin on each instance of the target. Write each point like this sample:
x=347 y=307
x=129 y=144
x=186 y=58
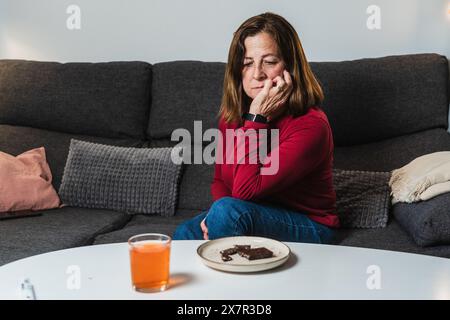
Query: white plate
x=209 y=253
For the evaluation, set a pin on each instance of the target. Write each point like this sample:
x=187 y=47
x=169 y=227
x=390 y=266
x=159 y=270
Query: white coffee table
x=312 y=272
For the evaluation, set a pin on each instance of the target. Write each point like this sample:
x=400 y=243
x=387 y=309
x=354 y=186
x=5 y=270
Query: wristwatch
x=255 y=117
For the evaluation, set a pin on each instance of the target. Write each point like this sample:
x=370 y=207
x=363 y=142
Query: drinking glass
x=150 y=261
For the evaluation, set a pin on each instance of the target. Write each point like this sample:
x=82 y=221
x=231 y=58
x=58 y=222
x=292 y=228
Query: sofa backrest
x=98 y=99
x=366 y=100
x=374 y=99
x=183 y=92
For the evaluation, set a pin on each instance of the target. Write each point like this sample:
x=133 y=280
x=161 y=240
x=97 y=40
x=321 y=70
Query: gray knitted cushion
x=132 y=180
x=362 y=198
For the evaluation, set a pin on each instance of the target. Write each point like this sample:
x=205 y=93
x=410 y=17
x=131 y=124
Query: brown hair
x=306 y=89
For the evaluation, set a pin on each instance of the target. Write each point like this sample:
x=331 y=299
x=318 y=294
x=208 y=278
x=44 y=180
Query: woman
x=268 y=84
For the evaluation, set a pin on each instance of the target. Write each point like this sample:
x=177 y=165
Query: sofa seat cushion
x=16 y=140
x=392 y=153
x=55 y=230
x=393 y=238
x=147 y=224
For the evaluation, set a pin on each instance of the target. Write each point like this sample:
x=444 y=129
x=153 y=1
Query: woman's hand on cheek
x=282 y=92
x=275 y=93
x=261 y=97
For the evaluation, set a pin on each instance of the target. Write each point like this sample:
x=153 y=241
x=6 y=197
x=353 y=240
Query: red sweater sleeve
x=303 y=149
x=218 y=187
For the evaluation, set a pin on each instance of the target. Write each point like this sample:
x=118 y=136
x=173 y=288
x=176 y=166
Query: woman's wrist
x=256 y=112
x=255 y=117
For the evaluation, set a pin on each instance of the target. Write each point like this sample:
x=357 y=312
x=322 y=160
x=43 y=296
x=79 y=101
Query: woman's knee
x=190 y=229
x=225 y=209
x=227 y=217
x=181 y=231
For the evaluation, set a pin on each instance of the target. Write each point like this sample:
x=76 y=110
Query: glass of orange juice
x=150 y=261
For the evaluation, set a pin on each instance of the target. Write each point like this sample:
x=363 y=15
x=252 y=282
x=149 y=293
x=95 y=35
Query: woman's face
x=261 y=61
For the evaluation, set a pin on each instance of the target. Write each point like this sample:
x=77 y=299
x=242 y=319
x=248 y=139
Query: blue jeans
x=234 y=217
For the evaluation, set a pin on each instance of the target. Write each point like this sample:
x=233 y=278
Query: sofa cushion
x=392 y=153
x=362 y=198
x=427 y=222
x=55 y=230
x=15 y=140
x=184 y=91
x=132 y=180
x=393 y=237
x=78 y=98
x=147 y=224
x=26 y=182
x=400 y=94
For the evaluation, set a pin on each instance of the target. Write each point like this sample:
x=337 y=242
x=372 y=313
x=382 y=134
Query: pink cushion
x=26 y=182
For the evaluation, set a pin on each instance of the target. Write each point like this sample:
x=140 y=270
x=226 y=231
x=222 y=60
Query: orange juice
x=150 y=265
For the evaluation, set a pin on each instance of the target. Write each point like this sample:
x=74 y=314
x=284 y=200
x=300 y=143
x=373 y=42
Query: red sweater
x=304 y=180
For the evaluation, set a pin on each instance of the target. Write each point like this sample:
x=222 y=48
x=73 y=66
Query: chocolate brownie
x=242 y=247
x=226 y=258
x=257 y=253
x=247 y=252
x=228 y=251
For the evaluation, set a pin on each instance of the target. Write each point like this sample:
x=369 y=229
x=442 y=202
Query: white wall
x=2 y=27
x=164 y=30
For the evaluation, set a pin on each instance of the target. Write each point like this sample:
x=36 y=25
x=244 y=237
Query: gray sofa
x=384 y=113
